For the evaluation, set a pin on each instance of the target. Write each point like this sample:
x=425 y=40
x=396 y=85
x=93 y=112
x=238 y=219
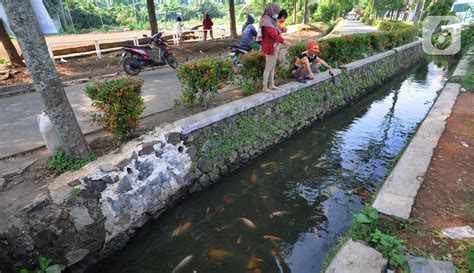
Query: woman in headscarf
x=270 y=37
x=248 y=32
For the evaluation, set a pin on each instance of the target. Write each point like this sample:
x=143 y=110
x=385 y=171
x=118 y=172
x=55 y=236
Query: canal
x=285 y=211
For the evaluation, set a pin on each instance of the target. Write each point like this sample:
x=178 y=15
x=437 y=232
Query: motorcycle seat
x=138 y=46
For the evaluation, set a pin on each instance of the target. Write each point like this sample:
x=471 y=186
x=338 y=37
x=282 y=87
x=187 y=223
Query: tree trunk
x=305 y=12
x=294 y=12
x=9 y=47
x=150 y=4
x=233 y=27
x=45 y=77
x=419 y=5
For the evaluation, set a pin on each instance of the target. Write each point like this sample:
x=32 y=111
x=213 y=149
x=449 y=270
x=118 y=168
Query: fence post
x=50 y=50
x=97 y=48
x=135 y=41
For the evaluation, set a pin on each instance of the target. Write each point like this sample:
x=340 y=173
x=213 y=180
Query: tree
x=294 y=12
x=9 y=47
x=305 y=12
x=233 y=27
x=45 y=77
x=150 y=4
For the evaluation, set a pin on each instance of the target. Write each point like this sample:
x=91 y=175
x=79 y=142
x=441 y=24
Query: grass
x=468 y=80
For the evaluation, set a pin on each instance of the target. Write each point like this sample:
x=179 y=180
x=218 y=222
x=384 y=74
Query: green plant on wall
x=44 y=266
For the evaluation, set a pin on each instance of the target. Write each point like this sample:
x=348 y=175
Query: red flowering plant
x=120 y=104
x=253 y=64
x=202 y=78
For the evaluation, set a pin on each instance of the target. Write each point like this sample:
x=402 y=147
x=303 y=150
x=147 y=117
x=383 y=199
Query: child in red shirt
x=207 y=26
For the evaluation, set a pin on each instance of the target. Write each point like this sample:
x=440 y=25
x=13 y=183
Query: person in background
x=269 y=35
x=282 y=16
x=178 y=29
x=308 y=63
x=248 y=32
x=207 y=26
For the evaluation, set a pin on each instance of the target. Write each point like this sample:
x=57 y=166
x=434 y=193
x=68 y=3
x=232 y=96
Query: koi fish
x=239 y=239
x=315 y=231
x=278 y=263
x=252 y=264
x=219 y=253
x=272 y=238
x=221 y=210
x=268 y=173
x=229 y=198
x=320 y=164
x=296 y=156
x=306 y=158
x=268 y=165
x=263 y=197
x=247 y=222
x=253 y=177
x=183 y=263
x=208 y=210
x=364 y=194
x=278 y=213
x=182 y=229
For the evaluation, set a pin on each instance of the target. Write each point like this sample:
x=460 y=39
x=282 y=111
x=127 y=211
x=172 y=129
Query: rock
x=459 y=233
x=205 y=147
x=107 y=168
x=204 y=180
x=81 y=218
x=224 y=171
x=2 y=182
x=356 y=257
x=203 y=165
x=14 y=168
x=74 y=256
x=422 y=265
x=93 y=188
x=174 y=138
x=147 y=148
x=194 y=188
x=122 y=164
x=214 y=176
x=192 y=152
x=110 y=179
x=125 y=184
x=144 y=168
x=159 y=153
x=64 y=214
x=74 y=183
x=233 y=157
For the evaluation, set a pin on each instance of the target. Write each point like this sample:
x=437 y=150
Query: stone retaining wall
x=84 y=216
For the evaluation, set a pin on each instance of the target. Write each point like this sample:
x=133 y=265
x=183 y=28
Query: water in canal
x=315 y=181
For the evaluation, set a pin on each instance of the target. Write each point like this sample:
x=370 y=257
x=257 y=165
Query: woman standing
x=207 y=26
x=270 y=37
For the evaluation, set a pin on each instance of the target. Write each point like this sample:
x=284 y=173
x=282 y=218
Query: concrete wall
x=123 y=190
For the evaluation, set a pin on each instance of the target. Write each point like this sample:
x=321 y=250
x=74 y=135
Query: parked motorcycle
x=236 y=51
x=134 y=58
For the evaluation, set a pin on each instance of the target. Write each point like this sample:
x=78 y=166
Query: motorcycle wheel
x=132 y=66
x=171 y=60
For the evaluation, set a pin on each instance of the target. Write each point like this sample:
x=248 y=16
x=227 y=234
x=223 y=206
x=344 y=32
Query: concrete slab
x=398 y=194
x=356 y=257
x=461 y=69
x=368 y=60
x=422 y=265
x=407 y=46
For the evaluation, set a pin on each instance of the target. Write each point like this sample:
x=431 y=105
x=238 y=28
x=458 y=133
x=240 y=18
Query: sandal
x=301 y=80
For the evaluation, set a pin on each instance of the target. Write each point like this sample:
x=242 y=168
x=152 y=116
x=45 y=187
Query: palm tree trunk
x=45 y=77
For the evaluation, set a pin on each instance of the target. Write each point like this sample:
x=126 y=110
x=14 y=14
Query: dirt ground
x=446 y=197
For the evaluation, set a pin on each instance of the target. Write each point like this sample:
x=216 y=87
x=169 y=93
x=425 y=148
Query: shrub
x=120 y=102
x=251 y=71
x=61 y=162
x=345 y=49
x=202 y=78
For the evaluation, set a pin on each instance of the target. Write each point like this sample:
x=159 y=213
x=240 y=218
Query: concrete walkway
x=346 y=27
x=19 y=129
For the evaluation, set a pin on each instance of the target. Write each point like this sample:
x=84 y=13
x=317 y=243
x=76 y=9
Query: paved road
x=346 y=27
x=19 y=129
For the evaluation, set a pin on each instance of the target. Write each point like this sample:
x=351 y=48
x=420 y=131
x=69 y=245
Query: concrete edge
x=461 y=68
x=407 y=46
x=370 y=59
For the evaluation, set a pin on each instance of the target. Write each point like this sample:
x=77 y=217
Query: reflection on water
x=284 y=212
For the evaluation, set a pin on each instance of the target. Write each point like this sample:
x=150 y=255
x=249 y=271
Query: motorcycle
x=134 y=58
x=236 y=51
